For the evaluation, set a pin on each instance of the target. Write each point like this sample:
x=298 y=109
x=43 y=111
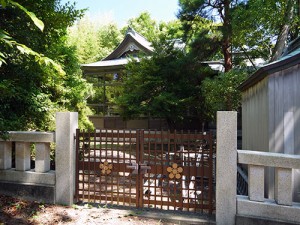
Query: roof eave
x=263 y=72
x=96 y=70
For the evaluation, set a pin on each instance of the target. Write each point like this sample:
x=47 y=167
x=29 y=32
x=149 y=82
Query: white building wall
x=255 y=117
x=271 y=119
x=284 y=130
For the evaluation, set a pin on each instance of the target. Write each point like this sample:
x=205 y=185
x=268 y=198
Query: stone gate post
x=66 y=125
x=226 y=168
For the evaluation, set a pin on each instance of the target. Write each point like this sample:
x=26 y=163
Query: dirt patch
x=15 y=211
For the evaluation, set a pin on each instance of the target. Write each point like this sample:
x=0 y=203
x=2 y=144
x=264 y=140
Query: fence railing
x=24 y=144
x=230 y=207
x=16 y=158
x=25 y=163
x=282 y=206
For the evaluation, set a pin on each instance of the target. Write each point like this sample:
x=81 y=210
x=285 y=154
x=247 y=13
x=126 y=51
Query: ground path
x=14 y=211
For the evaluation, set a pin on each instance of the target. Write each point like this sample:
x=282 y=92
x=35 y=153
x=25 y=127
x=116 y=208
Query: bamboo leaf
x=4 y=35
x=32 y=16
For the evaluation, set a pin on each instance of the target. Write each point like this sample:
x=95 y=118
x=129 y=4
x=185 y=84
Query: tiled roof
x=132 y=41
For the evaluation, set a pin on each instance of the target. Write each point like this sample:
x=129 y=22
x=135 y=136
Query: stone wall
x=30 y=177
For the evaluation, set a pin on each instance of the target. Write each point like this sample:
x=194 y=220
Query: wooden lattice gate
x=155 y=169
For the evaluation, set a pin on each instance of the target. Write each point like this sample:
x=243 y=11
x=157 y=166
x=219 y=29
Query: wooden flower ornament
x=105 y=168
x=174 y=171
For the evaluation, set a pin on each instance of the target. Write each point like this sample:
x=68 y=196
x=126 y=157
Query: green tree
x=263 y=28
x=216 y=10
x=221 y=92
x=166 y=85
x=93 y=42
x=171 y=30
x=109 y=37
x=284 y=30
x=33 y=92
x=23 y=49
x=83 y=35
x=256 y=29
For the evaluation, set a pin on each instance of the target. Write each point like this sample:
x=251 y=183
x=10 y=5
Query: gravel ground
x=15 y=211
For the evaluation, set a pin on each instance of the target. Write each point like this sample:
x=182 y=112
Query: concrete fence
x=254 y=208
x=40 y=183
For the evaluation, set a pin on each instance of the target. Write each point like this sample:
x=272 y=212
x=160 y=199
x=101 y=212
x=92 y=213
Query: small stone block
x=283 y=186
x=42 y=157
x=256 y=183
x=22 y=156
x=5 y=155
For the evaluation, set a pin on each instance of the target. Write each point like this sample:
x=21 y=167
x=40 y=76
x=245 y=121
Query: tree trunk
x=227 y=55
x=284 y=31
x=226 y=45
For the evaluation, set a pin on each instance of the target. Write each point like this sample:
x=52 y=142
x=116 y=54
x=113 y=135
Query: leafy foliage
x=166 y=85
x=216 y=10
x=83 y=36
x=257 y=25
x=109 y=37
x=221 y=93
x=144 y=25
x=93 y=42
x=32 y=16
x=243 y=31
x=6 y=39
x=33 y=88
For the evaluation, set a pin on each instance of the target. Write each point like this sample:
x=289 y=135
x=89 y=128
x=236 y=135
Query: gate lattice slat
x=154 y=169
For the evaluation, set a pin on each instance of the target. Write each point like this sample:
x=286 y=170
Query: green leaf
x=40 y=58
x=4 y=35
x=32 y=16
x=3 y=3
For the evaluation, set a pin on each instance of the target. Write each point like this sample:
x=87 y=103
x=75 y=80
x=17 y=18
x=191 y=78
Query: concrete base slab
x=248 y=220
x=30 y=176
x=32 y=192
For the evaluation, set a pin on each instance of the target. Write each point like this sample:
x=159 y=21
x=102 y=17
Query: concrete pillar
x=5 y=155
x=22 y=156
x=66 y=125
x=283 y=186
x=226 y=168
x=256 y=176
x=42 y=157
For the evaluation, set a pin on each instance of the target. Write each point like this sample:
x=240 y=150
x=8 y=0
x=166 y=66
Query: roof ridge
x=140 y=41
x=134 y=33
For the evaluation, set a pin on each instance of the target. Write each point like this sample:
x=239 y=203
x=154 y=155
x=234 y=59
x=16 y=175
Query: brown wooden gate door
x=154 y=169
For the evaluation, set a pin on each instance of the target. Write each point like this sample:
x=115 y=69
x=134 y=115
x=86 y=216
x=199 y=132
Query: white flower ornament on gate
x=105 y=168
x=175 y=171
